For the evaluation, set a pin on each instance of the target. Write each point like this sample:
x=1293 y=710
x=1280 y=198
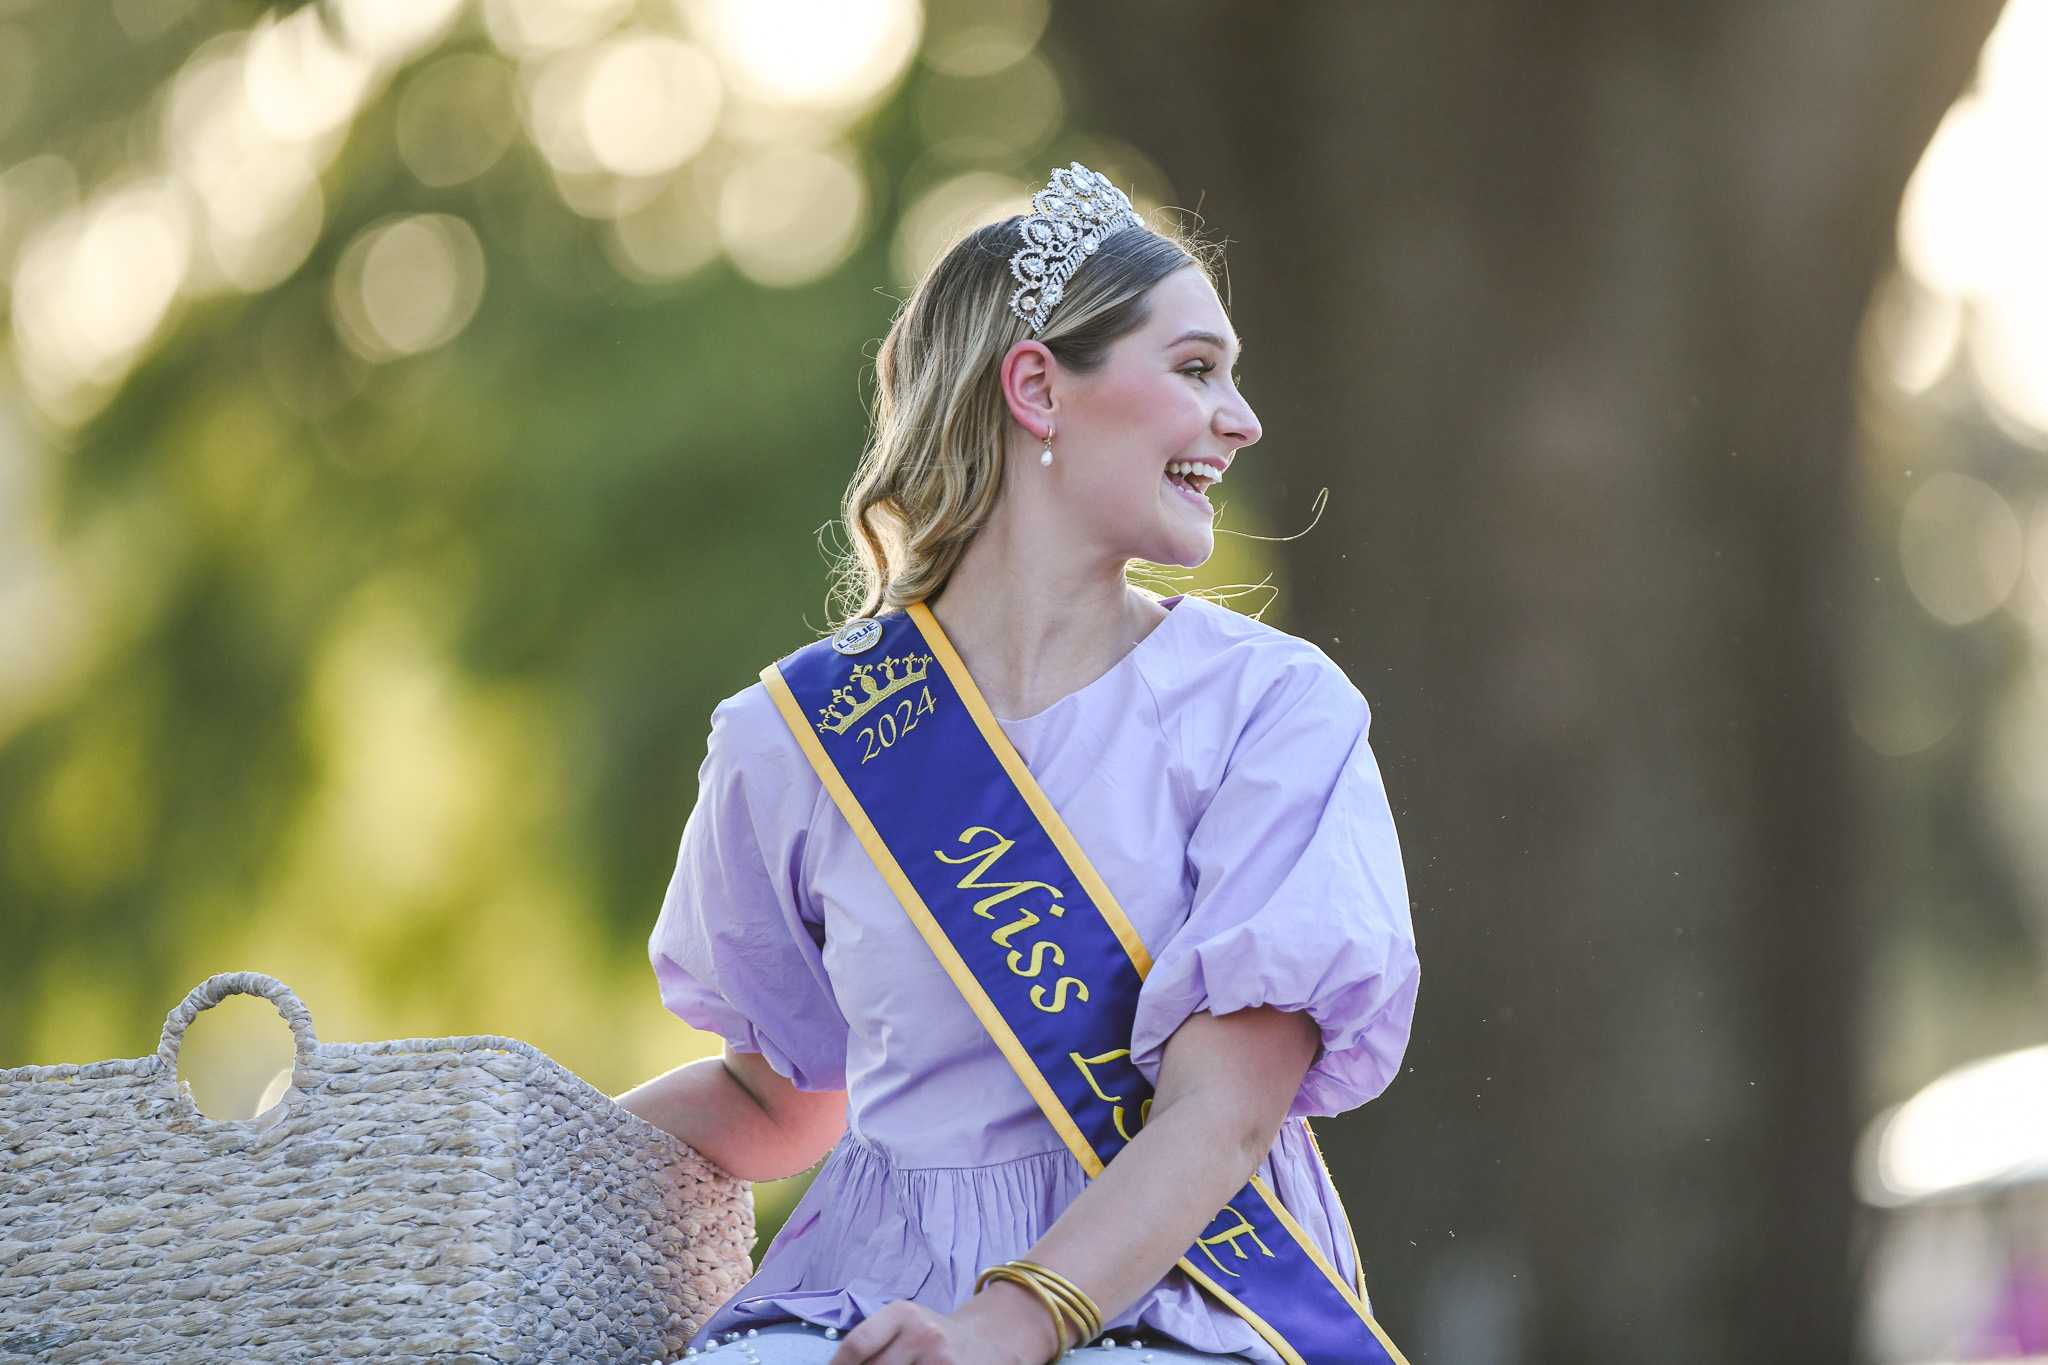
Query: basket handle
x=219 y=987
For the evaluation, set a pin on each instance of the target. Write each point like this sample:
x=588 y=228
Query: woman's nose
x=1238 y=423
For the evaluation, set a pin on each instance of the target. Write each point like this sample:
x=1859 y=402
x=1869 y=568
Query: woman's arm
x=742 y=1115
x=1225 y=1084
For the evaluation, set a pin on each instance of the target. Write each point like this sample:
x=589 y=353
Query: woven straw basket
x=449 y=1199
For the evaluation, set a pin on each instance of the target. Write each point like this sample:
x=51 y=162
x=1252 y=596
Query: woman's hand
x=1002 y=1325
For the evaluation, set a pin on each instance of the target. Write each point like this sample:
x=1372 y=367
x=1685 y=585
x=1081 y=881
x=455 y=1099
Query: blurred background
x=416 y=414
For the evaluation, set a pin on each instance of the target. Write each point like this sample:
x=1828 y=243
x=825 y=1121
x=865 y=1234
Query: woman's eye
x=1200 y=368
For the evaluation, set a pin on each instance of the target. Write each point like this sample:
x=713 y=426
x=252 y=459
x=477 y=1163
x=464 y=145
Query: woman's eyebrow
x=1198 y=335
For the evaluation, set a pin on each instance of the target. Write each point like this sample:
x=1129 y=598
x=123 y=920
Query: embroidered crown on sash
x=868 y=686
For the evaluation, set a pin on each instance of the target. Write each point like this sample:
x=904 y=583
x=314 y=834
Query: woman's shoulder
x=753 y=718
x=748 y=726
x=1227 y=655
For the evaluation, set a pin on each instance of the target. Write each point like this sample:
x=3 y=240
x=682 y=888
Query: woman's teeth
x=1190 y=485
x=1197 y=475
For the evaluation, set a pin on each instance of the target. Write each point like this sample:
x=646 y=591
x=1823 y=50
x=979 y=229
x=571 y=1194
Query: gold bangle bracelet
x=1059 y=1317
x=1086 y=1315
x=1075 y=1297
x=1052 y=1305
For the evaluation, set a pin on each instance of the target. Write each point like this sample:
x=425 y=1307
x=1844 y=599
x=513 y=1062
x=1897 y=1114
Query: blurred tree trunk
x=1560 y=301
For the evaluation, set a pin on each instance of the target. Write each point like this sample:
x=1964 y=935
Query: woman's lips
x=1181 y=490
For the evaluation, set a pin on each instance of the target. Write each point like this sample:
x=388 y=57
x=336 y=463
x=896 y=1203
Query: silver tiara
x=1071 y=216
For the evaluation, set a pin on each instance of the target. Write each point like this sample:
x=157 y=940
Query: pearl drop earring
x=1046 y=458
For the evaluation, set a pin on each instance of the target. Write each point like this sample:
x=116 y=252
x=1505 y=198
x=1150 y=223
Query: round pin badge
x=857 y=635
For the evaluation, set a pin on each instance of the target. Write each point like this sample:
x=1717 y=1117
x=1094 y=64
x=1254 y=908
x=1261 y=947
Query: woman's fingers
x=864 y=1344
x=902 y=1333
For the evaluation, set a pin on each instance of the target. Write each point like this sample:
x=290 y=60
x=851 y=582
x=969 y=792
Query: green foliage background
x=391 y=679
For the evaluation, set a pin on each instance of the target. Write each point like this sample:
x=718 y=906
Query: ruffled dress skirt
x=868 y=1232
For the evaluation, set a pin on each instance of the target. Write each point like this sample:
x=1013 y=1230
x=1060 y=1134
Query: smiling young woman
x=1043 y=909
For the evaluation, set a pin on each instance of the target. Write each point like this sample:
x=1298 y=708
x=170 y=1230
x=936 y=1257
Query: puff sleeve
x=737 y=947
x=1300 y=899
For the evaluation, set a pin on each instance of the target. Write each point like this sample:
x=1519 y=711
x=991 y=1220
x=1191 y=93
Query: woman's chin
x=1185 y=549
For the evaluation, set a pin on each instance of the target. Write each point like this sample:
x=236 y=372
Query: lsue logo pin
x=861 y=633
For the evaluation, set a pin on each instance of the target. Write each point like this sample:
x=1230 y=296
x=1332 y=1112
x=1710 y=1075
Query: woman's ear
x=1027 y=378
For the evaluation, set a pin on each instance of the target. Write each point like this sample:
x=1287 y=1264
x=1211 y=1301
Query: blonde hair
x=932 y=470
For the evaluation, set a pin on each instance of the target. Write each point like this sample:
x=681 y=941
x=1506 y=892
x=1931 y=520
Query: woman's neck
x=1033 y=625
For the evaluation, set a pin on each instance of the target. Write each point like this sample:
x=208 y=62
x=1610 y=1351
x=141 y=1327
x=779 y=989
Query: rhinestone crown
x=1070 y=218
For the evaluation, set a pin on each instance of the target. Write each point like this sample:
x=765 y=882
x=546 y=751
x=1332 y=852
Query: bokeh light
x=809 y=54
x=967 y=39
x=91 y=288
x=408 y=285
x=649 y=104
x=790 y=214
x=456 y=118
x=1979 y=1124
x=1975 y=214
x=1960 y=546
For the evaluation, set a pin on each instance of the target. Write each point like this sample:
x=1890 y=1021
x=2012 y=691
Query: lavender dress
x=1219 y=778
